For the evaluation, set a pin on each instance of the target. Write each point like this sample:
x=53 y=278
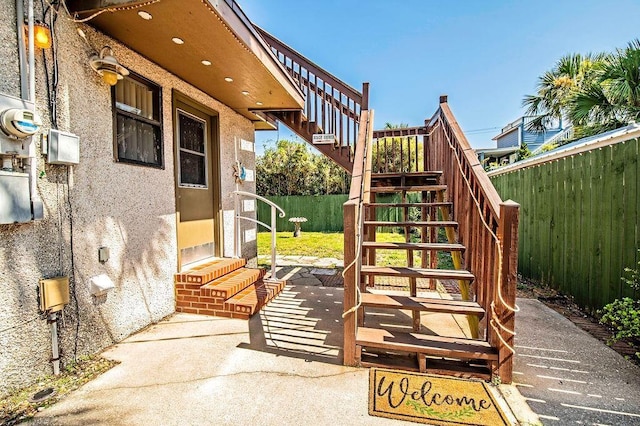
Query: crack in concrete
x=239 y=373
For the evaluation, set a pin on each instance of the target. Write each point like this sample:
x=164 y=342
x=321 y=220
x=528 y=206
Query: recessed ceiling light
x=228 y=79
x=145 y=15
x=244 y=92
x=177 y=40
x=205 y=62
x=258 y=103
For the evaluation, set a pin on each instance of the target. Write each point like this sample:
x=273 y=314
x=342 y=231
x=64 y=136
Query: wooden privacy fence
x=323 y=212
x=579 y=225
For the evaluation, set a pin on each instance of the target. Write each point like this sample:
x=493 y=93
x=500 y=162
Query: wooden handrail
x=488 y=227
x=359 y=193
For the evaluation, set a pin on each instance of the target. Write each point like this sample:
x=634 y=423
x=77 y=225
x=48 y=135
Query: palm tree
x=613 y=99
x=557 y=87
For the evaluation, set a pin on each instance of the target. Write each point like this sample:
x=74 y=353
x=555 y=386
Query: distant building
x=512 y=137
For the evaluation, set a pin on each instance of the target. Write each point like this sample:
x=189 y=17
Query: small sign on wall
x=249 y=175
x=247 y=145
x=249 y=235
x=248 y=205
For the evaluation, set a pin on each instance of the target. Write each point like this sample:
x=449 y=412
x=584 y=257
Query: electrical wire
x=20 y=324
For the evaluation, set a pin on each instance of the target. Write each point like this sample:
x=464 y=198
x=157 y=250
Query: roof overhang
x=497 y=151
x=505 y=132
x=212 y=30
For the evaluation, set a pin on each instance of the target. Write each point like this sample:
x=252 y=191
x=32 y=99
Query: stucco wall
x=129 y=209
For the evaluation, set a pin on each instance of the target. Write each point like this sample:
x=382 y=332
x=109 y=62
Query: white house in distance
x=512 y=137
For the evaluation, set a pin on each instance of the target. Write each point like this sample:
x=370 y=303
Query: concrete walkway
x=569 y=377
x=282 y=367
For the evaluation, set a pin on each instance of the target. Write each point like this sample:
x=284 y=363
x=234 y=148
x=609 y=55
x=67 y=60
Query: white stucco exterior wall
x=129 y=209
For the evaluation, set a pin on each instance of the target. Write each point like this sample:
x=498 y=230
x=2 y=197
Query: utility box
x=15 y=205
x=10 y=145
x=63 y=148
x=54 y=294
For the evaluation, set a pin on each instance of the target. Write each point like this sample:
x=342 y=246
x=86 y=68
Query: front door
x=197 y=189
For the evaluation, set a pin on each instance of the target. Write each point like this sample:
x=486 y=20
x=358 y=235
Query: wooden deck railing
x=488 y=227
x=399 y=150
x=354 y=233
x=332 y=106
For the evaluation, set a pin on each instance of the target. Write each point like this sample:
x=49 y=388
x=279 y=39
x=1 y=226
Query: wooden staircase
x=421 y=235
x=224 y=288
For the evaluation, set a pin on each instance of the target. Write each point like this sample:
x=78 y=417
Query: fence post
x=350 y=282
x=508 y=235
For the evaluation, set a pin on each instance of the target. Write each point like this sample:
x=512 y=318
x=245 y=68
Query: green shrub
x=623 y=315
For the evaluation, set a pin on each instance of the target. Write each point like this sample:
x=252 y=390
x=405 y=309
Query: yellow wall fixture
x=41 y=35
x=108 y=66
x=54 y=294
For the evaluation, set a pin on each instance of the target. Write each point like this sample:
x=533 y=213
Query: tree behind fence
x=579 y=221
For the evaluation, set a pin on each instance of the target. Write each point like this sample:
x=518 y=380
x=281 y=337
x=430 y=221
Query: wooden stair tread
x=447 y=306
x=209 y=271
x=444 y=223
x=413 y=246
x=397 y=271
x=386 y=205
x=415 y=188
x=448 y=347
x=385 y=175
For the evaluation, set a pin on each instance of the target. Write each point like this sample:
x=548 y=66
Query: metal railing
x=238 y=217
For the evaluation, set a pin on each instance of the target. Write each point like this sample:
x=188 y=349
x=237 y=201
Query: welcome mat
x=435 y=400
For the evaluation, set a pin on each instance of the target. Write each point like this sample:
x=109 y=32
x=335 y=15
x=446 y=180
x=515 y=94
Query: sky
x=486 y=55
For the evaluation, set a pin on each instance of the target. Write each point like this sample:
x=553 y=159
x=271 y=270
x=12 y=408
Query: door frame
x=177 y=98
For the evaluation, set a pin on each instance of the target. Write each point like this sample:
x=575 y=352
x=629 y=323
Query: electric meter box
x=63 y=148
x=16 y=107
x=15 y=205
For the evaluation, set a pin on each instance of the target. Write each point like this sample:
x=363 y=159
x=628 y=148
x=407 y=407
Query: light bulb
x=109 y=77
x=42 y=36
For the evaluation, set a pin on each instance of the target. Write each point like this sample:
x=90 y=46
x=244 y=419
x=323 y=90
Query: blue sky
x=486 y=55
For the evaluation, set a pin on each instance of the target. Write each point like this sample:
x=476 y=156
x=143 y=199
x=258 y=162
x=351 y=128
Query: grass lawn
x=331 y=244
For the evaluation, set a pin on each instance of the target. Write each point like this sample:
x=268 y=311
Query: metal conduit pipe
x=37 y=210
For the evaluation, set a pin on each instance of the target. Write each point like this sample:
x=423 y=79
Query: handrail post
x=350 y=282
x=273 y=243
x=237 y=245
x=508 y=236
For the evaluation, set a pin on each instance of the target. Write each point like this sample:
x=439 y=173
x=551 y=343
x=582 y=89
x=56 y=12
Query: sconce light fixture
x=41 y=35
x=107 y=66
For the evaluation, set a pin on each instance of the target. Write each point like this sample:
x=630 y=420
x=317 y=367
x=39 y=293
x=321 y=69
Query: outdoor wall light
x=107 y=66
x=41 y=35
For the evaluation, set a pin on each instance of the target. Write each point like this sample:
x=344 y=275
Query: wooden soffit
x=212 y=30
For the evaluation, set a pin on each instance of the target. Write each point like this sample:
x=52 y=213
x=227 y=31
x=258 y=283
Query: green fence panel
x=579 y=221
x=323 y=212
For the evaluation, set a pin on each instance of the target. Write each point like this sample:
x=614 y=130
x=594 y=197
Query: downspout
x=37 y=210
x=28 y=93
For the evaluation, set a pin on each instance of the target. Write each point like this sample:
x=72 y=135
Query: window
x=138 y=134
x=192 y=133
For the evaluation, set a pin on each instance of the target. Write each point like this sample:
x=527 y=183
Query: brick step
x=396 y=271
x=232 y=283
x=446 y=347
x=253 y=298
x=446 y=306
x=412 y=246
x=209 y=271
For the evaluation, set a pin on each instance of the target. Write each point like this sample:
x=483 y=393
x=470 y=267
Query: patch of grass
x=16 y=408
x=331 y=244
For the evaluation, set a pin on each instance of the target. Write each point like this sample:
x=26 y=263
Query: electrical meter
x=19 y=123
